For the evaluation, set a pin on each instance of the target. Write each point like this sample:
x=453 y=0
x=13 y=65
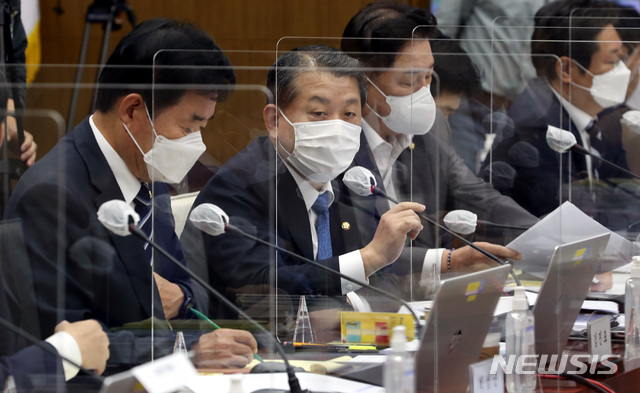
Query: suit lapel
x=293 y=211
x=129 y=248
x=345 y=224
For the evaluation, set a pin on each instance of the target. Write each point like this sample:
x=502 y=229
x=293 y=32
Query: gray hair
x=312 y=58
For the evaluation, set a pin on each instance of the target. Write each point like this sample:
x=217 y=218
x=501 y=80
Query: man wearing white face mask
x=406 y=140
x=581 y=80
x=314 y=133
x=136 y=140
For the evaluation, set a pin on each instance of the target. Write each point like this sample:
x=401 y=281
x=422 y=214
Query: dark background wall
x=239 y=26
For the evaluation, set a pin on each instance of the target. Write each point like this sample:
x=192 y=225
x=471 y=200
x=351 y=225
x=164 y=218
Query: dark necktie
x=143 y=208
x=321 y=207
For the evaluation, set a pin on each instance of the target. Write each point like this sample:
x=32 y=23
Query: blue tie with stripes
x=143 y=208
x=321 y=207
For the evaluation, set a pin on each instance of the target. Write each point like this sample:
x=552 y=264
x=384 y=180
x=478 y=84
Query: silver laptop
x=569 y=276
x=456 y=328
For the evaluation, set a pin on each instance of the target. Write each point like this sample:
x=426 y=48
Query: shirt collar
x=128 y=183
x=308 y=192
x=580 y=118
x=398 y=143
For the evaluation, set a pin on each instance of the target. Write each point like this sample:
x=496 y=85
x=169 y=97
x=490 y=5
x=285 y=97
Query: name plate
x=599 y=333
x=481 y=380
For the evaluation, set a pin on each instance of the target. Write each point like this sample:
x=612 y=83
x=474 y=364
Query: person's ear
x=565 y=67
x=130 y=108
x=270 y=117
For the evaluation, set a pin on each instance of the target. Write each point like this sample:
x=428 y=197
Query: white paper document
x=567 y=224
x=252 y=382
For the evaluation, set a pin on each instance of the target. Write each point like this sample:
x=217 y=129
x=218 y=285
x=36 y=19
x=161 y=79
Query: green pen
x=216 y=327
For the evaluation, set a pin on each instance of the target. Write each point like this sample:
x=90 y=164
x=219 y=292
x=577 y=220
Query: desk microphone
x=464 y=222
x=120 y=218
x=562 y=141
x=213 y=221
x=361 y=181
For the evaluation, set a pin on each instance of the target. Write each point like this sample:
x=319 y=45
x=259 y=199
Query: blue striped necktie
x=143 y=208
x=321 y=207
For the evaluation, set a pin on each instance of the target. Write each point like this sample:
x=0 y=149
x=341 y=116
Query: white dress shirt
x=128 y=183
x=385 y=154
x=67 y=347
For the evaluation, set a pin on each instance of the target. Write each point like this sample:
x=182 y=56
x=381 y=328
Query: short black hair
x=455 y=71
x=369 y=35
x=312 y=58
x=628 y=27
x=164 y=52
x=569 y=28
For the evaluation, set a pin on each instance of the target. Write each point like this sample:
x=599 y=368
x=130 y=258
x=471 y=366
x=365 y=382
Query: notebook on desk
x=569 y=276
x=456 y=328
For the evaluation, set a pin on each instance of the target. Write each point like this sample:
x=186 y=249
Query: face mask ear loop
x=369 y=106
x=133 y=139
x=277 y=138
x=584 y=69
x=153 y=127
x=374 y=85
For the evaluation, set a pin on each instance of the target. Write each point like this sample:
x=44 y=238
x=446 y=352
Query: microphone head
x=209 y=218
x=360 y=180
x=117 y=215
x=461 y=221
x=560 y=140
x=631 y=120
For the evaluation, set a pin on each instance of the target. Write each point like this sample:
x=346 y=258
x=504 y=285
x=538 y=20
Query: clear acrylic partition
x=500 y=134
x=241 y=173
x=233 y=266
x=579 y=196
x=332 y=91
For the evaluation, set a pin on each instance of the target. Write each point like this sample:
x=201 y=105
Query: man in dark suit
x=31 y=366
x=136 y=136
x=406 y=141
x=578 y=55
x=273 y=187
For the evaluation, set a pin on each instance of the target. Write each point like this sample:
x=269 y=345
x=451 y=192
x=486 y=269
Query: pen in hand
x=216 y=327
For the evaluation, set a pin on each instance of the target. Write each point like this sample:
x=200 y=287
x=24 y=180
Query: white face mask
x=169 y=160
x=323 y=149
x=411 y=114
x=610 y=88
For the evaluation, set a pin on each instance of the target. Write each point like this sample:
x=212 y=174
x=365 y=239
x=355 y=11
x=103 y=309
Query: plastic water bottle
x=399 y=372
x=521 y=341
x=631 y=308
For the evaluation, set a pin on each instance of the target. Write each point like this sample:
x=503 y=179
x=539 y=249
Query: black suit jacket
x=537 y=186
x=81 y=270
x=260 y=196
